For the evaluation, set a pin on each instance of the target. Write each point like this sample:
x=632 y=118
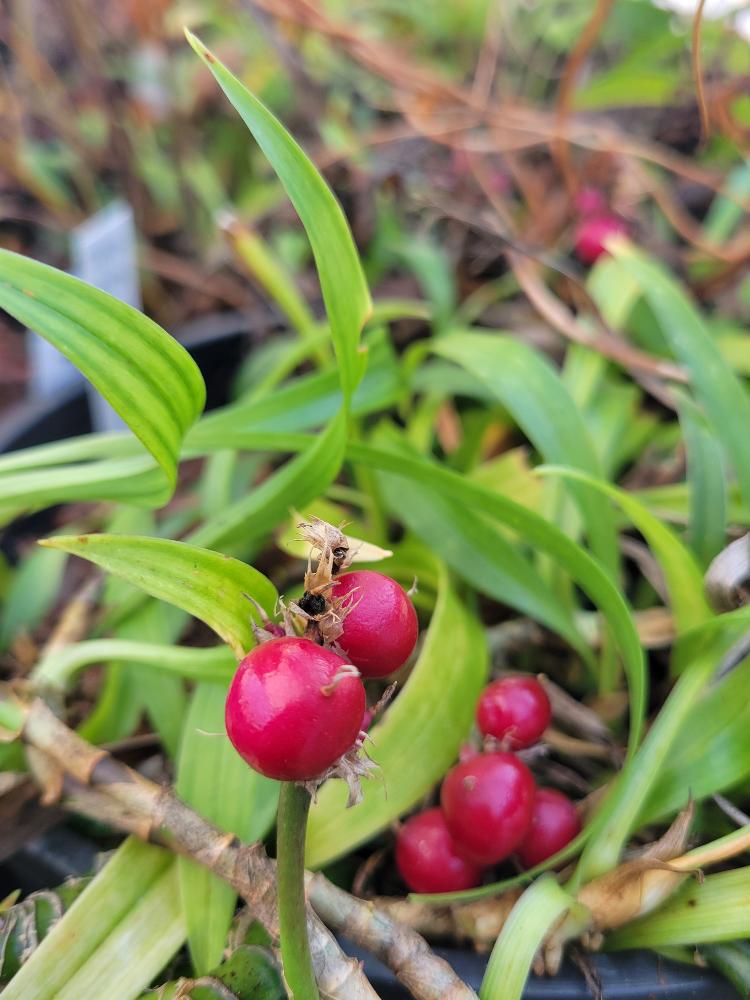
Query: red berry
x=590 y=201
x=515 y=710
x=427 y=859
x=380 y=631
x=554 y=823
x=287 y=712
x=487 y=803
x=592 y=233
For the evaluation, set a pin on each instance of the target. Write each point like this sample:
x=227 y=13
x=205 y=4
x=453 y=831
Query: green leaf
x=722 y=395
x=538 y=532
x=540 y=907
x=711 y=752
x=249 y=973
x=425 y=726
x=306 y=402
x=59 y=668
x=342 y=280
x=24 y=925
x=32 y=594
x=619 y=812
x=713 y=910
x=683 y=576
x=129 y=686
x=296 y=483
x=147 y=377
x=128 y=480
x=475 y=549
x=733 y=961
x=707 y=478
x=215 y=780
x=131 y=909
x=205 y=584
x=533 y=393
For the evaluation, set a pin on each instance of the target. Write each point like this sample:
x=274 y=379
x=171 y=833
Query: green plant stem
x=294 y=805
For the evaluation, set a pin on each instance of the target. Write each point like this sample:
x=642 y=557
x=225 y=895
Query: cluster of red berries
x=296 y=706
x=597 y=222
x=490 y=806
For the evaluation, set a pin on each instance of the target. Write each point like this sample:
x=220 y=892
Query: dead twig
x=697 y=62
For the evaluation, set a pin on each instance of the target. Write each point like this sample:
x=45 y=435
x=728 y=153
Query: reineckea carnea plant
x=467 y=532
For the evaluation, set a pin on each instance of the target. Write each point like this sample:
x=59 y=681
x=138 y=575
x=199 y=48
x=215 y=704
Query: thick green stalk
x=294 y=805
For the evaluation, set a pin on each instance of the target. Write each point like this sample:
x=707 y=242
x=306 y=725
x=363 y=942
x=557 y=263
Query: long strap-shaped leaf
x=131 y=908
x=531 y=918
x=682 y=574
x=721 y=393
x=529 y=387
x=342 y=280
x=148 y=378
x=206 y=584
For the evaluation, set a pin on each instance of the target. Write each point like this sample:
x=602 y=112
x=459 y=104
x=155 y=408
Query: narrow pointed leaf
x=534 y=394
x=722 y=394
x=682 y=573
x=476 y=550
x=342 y=280
x=707 y=478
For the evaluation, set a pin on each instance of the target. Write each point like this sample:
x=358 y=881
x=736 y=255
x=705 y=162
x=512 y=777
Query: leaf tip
x=198 y=46
x=67 y=542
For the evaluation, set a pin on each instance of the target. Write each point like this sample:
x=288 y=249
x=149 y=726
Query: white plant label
x=104 y=253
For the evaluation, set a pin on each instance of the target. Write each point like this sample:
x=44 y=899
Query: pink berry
x=487 y=803
x=554 y=823
x=515 y=710
x=380 y=631
x=427 y=859
x=289 y=712
x=592 y=233
x=590 y=201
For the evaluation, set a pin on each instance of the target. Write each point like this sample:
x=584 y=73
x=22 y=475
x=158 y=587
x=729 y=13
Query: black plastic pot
x=628 y=975
x=218 y=347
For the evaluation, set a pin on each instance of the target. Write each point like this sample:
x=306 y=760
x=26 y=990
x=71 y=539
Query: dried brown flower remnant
x=331 y=544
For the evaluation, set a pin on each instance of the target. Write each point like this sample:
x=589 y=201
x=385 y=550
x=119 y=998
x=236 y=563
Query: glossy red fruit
x=554 y=823
x=287 y=714
x=515 y=710
x=592 y=233
x=487 y=803
x=427 y=859
x=380 y=631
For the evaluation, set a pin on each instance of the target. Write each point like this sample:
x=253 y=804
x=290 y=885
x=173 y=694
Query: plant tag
x=104 y=253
